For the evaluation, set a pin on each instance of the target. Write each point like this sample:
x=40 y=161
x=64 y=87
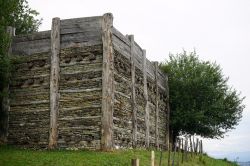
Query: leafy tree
x=201 y=101
x=18 y=14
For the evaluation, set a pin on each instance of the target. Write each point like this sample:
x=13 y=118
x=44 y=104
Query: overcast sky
x=219 y=30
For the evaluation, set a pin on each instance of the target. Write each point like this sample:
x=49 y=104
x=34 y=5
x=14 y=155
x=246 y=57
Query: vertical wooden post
x=133 y=101
x=135 y=162
x=201 y=148
x=191 y=146
x=152 y=158
x=145 y=93
x=54 y=82
x=197 y=145
x=107 y=84
x=168 y=114
x=169 y=154
x=156 y=106
x=5 y=103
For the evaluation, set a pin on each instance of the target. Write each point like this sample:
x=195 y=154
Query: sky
x=219 y=31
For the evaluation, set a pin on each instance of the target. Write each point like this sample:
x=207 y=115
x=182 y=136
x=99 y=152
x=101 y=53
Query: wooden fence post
x=191 y=146
x=156 y=106
x=135 y=162
x=152 y=158
x=5 y=103
x=197 y=145
x=145 y=93
x=201 y=148
x=107 y=84
x=54 y=82
x=133 y=96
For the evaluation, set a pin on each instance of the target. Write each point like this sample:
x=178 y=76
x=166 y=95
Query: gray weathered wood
x=34 y=36
x=156 y=105
x=5 y=100
x=120 y=36
x=133 y=96
x=120 y=46
x=54 y=83
x=31 y=47
x=168 y=114
x=150 y=70
x=107 y=84
x=145 y=93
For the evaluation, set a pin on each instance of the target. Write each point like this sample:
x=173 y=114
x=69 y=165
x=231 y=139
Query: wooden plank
x=156 y=105
x=5 y=103
x=34 y=36
x=54 y=83
x=120 y=36
x=107 y=84
x=150 y=70
x=81 y=36
x=31 y=47
x=133 y=95
x=121 y=47
x=81 y=20
x=145 y=93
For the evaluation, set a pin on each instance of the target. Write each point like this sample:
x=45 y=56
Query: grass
x=11 y=156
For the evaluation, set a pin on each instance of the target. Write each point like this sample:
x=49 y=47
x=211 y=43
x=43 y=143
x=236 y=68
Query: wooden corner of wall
x=107 y=84
x=54 y=82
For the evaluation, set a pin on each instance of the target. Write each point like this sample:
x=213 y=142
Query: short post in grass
x=135 y=162
x=152 y=158
x=179 y=150
x=191 y=146
x=169 y=153
x=182 y=150
x=174 y=154
x=160 y=158
x=185 y=149
x=197 y=145
x=201 y=147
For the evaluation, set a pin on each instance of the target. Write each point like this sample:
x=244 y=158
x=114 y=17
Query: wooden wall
x=140 y=114
x=100 y=73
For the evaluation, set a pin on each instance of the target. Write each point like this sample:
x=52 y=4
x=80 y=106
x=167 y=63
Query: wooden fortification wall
x=85 y=85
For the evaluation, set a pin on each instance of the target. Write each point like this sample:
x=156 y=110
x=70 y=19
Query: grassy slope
x=18 y=157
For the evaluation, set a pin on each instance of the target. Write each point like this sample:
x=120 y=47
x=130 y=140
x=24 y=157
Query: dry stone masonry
x=85 y=85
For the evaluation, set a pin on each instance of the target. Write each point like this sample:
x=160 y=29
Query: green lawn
x=10 y=156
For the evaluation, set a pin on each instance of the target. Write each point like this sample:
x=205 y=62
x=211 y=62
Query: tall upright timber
x=84 y=84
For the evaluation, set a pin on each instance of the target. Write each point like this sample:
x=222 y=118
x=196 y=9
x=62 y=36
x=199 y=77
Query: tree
x=201 y=101
x=18 y=14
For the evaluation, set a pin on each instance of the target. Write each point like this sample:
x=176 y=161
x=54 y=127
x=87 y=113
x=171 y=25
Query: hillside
x=10 y=156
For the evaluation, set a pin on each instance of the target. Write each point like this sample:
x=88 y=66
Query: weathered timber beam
x=107 y=84
x=156 y=105
x=145 y=93
x=168 y=115
x=54 y=83
x=133 y=100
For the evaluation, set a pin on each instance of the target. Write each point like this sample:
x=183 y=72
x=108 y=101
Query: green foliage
x=201 y=101
x=15 y=13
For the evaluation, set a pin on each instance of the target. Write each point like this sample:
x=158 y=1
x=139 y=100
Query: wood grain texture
x=107 y=84
x=133 y=100
x=54 y=83
x=145 y=93
x=156 y=106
